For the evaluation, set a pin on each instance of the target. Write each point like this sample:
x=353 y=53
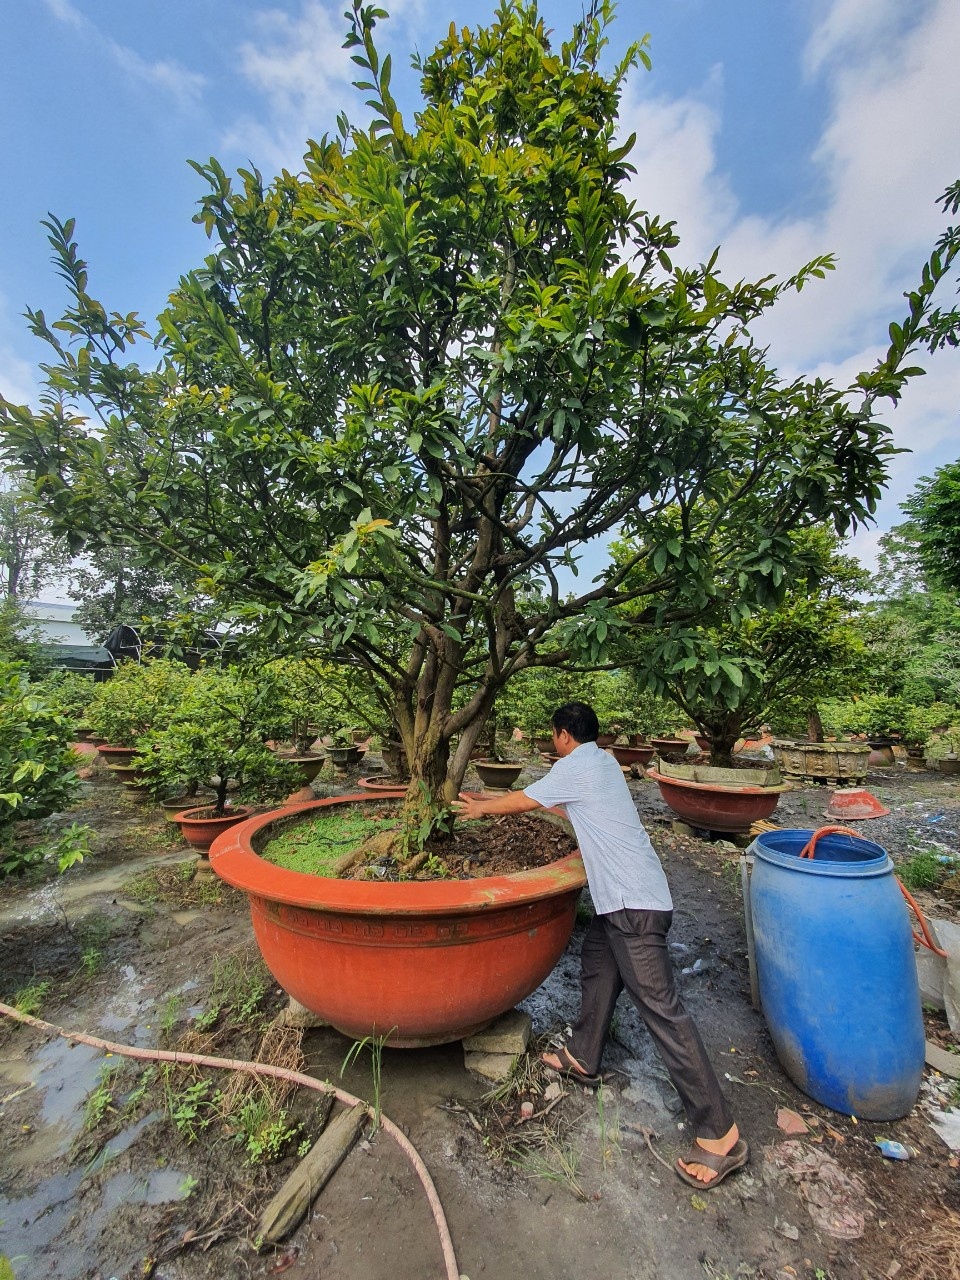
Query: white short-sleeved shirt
x=623 y=870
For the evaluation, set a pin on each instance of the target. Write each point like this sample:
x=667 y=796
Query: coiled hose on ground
x=279 y=1073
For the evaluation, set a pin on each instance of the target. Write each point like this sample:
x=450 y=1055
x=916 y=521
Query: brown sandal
x=569 y=1067
x=722 y=1166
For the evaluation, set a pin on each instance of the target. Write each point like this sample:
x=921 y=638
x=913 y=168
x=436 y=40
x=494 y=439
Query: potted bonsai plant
x=71 y=692
x=137 y=697
x=215 y=738
x=291 y=693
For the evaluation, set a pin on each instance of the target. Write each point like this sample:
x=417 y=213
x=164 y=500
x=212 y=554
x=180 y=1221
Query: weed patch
x=240 y=981
x=315 y=846
x=920 y=871
x=101 y=1100
x=29 y=999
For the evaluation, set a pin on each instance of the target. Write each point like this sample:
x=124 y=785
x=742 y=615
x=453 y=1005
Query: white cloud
x=850 y=26
x=170 y=77
x=65 y=12
x=674 y=156
x=888 y=148
x=298 y=65
x=18 y=381
x=305 y=77
x=184 y=86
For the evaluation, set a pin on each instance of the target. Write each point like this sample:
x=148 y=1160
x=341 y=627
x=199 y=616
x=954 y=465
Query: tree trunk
x=723 y=732
x=814 y=726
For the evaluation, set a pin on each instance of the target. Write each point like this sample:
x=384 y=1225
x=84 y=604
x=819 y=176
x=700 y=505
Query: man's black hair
x=579 y=720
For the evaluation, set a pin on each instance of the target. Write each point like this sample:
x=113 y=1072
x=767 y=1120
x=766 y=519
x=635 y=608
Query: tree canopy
x=411 y=381
x=934 y=509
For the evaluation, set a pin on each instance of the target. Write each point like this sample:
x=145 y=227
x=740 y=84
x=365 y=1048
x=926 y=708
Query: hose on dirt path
x=924 y=938
x=279 y=1073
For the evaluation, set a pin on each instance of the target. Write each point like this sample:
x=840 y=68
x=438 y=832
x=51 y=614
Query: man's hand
x=472 y=805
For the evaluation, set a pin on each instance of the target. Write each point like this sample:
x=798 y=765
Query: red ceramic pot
x=881 y=754
x=718 y=808
x=854 y=804
x=606 y=739
x=199 y=829
x=385 y=786
x=421 y=962
x=702 y=741
x=672 y=746
x=632 y=755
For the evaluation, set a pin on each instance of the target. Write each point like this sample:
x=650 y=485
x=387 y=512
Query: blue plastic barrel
x=837 y=975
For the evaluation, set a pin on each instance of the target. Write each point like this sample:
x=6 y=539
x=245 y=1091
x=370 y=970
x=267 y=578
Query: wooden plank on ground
x=290 y=1205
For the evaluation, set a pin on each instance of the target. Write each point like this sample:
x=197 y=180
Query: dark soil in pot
x=485 y=847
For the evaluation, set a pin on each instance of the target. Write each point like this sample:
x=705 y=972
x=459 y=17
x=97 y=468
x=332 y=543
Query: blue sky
x=778 y=129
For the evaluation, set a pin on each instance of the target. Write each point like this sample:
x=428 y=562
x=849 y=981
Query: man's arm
x=484 y=806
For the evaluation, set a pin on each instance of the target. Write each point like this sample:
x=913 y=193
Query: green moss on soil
x=314 y=846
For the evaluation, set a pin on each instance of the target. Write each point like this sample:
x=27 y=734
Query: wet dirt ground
x=128 y=948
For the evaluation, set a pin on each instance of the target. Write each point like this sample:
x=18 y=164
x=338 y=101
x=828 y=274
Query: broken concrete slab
x=298 y=1015
x=492 y=1066
x=510 y=1034
x=942 y=1060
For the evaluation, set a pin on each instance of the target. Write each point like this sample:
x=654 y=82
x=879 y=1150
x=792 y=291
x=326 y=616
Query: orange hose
x=810 y=848
x=279 y=1073
x=924 y=938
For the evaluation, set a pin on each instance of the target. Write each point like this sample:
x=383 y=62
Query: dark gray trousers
x=629 y=949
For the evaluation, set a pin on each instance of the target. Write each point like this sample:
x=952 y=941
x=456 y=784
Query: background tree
x=37 y=765
x=112 y=587
x=910 y=626
x=409 y=383
x=31 y=553
x=736 y=674
x=934 y=509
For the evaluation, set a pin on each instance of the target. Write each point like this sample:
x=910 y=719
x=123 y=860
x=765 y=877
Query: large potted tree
x=411 y=382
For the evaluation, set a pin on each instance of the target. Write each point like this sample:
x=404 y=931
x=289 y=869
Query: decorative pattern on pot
x=421 y=962
x=839 y=763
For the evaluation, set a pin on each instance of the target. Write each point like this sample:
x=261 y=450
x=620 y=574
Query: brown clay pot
x=115 y=755
x=632 y=755
x=385 y=785
x=309 y=764
x=497 y=775
x=199 y=828
x=718 y=808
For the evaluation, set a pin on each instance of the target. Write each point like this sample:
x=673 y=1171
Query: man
x=626 y=943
